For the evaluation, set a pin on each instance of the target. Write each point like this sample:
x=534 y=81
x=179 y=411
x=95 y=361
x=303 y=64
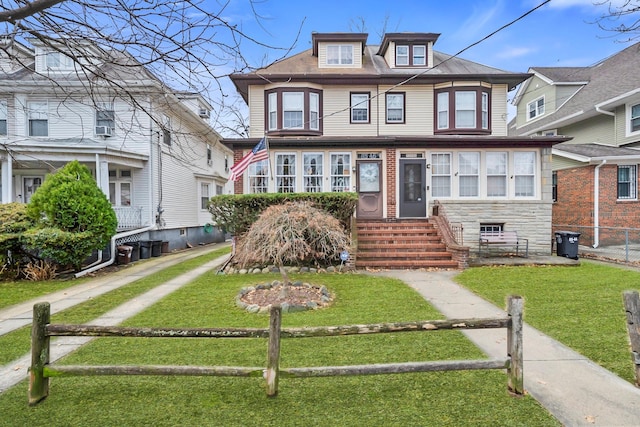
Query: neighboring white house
x=151 y=149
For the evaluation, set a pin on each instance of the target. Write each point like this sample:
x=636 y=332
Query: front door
x=413 y=201
x=29 y=186
x=369 y=188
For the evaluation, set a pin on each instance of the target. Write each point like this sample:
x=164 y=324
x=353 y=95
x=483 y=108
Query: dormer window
x=411 y=55
x=293 y=111
x=58 y=61
x=341 y=54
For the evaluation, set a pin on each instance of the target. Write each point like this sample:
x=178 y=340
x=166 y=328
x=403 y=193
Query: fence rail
x=41 y=370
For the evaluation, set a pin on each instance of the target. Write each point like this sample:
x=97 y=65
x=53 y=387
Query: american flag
x=259 y=152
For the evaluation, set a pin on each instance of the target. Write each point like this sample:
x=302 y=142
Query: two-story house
x=151 y=149
x=404 y=126
x=595 y=175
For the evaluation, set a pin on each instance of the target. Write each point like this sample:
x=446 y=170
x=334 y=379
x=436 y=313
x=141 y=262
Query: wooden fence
x=632 y=307
x=41 y=370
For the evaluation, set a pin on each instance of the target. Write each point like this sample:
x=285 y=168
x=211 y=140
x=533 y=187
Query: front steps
x=401 y=244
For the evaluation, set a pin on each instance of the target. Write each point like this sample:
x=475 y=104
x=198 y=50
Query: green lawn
x=444 y=399
x=580 y=306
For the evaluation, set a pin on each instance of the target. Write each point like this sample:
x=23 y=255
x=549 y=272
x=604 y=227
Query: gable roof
x=303 y=67
x=604 y=86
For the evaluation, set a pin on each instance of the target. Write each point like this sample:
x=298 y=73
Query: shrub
x=292 y=233
x=236 y=213
x=39 y=270
x=13 y=223
x=75 y=216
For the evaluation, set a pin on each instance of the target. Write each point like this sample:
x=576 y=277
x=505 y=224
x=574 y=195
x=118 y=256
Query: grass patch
x=580 y=306
x=17 y=343
x=444 y=399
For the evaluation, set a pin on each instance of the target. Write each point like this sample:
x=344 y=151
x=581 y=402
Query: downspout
x=596 y=205
x=112 y=259
x=99 y=182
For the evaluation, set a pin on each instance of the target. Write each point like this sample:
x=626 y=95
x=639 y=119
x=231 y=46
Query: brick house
x=407 y=128
x=595 y=174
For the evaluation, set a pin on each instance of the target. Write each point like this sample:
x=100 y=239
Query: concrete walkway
x=574 y=389
x=20 y=315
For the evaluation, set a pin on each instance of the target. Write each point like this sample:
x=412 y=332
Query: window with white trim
x=273 y=110
x=419 y=55
x=634 y=119
x=105 y=118
x=57 y=61
x=3 y=118
x=465 y=117
x=258 y=173
x=292 y=110
x=340 y=172
x=312 y=172
x=627 y=182
x=120 y=187
x=285 y=173
x=491 y=228
x=535 y=108
x=443 y=110
x=314 y=111
x=395 y=107
x=340 y=54
x=441 y=175
x=205 y=195
x=402 y=55
x=524 y=171
x=360 y=107
x=38 y=118
x=496 y=164
x=468 y=174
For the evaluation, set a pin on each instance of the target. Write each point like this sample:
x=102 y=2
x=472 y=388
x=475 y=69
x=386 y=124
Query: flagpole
x=266 y=143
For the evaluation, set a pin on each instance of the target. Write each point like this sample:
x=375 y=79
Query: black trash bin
x=145 y=249
x=156 y=248
x=124 y=254
x=567 y=244
x=135 y=250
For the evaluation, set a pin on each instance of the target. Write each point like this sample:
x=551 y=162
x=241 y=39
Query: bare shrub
x=39 y=270
x=293 y=233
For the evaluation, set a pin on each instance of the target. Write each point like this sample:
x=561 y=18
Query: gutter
x=111 y=260
x=596 y=204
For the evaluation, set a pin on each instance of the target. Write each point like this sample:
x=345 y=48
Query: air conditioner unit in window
x=104 y=131
x=204 y=113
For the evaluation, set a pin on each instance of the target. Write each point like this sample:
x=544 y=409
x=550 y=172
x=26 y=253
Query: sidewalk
x=20 y=315
x=573 y=389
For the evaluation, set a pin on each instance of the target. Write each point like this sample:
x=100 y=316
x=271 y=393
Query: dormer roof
x=406 y=38
x=338 y=38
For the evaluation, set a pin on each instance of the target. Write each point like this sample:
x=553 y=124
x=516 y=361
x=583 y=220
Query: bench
x=489 y=239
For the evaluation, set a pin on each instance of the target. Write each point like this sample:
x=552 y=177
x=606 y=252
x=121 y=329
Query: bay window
x=463 y=110
x=293 y=111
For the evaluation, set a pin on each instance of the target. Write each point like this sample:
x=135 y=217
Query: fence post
x=273 y=352
x=632 y=307
x=515 y=373
x=38 y=384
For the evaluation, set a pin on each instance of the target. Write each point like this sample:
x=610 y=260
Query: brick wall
x=575 y=204
x=238 y=185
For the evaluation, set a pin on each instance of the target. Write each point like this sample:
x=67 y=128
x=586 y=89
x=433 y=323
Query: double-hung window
x=58 y=61
x=314 y=111
x=634 y=119
x=312 y=172
x=535 y=108
x=360 y=108
x=3 y=118
x=292 y=110
x=340 y=172
x=627 y=182
x=419 y=55
x=395 y=107
x=524 y=165
x=402 y=55
x=205 y=195
x=285 y=173
x=38 y=118
x=258 y=177
x=441 y=175
x=411 y=55
x=105 y=118
x=468 y=176
x=496 y=174
x=340 y=54
x=465 y=110
x=273 y=111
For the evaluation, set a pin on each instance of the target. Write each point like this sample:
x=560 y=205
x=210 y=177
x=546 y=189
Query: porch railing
x=129 y=218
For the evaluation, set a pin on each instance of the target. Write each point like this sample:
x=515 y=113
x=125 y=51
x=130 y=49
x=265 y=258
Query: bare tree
x=622 y=18
x=191 y=44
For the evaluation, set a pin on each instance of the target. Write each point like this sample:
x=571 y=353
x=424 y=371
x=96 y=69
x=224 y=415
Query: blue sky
x=560 y=33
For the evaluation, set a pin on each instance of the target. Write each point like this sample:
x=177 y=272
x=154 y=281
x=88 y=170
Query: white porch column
x=7 y=178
